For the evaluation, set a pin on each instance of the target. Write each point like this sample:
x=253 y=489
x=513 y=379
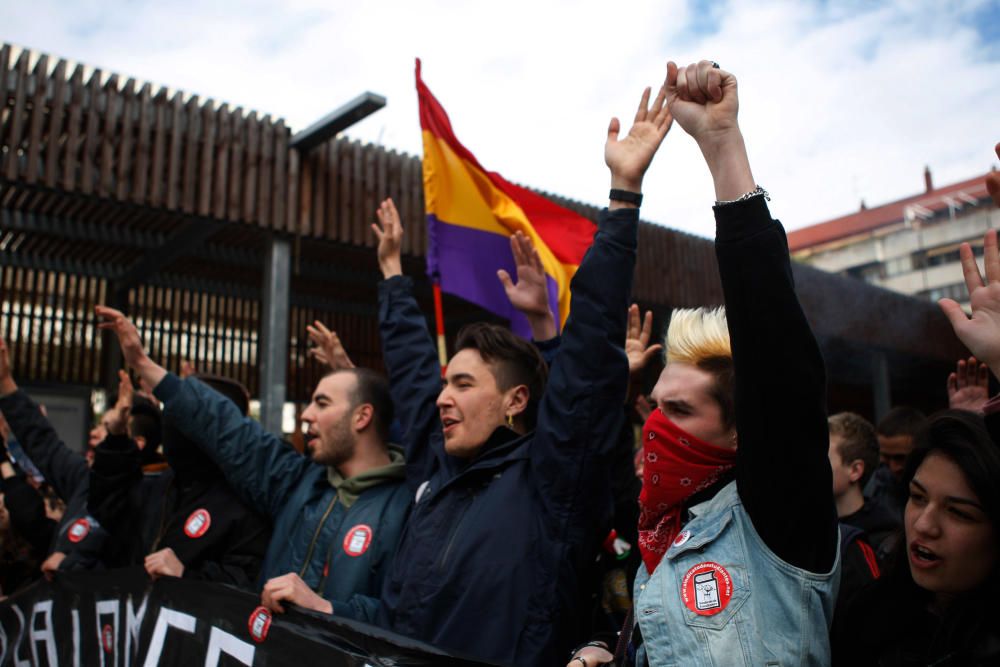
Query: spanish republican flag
x=471 y=215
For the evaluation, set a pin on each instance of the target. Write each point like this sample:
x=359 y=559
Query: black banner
x=120 y=619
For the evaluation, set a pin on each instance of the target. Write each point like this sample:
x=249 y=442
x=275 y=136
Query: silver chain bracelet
x=756 y=192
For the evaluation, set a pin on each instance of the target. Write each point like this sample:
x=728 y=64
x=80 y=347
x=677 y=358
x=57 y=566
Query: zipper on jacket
x=454 y=533
x=319 y=529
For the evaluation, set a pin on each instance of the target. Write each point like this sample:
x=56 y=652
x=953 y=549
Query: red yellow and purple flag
x=471 y=215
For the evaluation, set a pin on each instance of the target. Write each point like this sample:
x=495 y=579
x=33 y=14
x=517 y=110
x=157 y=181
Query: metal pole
x=272 y=355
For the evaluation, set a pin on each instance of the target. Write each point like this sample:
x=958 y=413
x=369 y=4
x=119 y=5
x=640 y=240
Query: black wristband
x=625 y=196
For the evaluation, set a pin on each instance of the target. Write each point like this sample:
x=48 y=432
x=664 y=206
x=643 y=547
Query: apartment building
x=910 y=245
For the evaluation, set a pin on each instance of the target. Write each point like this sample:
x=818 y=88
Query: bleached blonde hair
x=696 y=335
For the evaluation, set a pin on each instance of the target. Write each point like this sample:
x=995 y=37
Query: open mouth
x=922 y=556
x=448 y=424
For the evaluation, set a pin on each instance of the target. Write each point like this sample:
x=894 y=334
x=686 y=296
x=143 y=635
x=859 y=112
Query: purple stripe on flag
x=467 y=261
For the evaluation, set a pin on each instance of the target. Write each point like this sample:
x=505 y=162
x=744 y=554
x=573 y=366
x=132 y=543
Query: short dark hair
x=514 y=360
x=230 y=388
x=372 y=388
x=145 y=421
x=857 y=441
x=902 y=420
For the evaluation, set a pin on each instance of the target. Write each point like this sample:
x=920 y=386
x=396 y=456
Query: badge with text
x=197 y=524
x=78 y=530
x=357 y=540
x=707 y=588
x=259 y=624
x=682 y=538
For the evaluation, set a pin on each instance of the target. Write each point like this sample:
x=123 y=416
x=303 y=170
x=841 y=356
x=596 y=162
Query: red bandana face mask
x=677 y=465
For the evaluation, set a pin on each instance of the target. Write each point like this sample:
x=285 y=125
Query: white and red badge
x=197 y=524
x=682 y=538
x=259 y=624
x=78 y=530
x=108 y=639
x=357 y=540
x=707 y=588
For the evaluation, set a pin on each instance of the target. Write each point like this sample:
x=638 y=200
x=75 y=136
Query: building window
x=956 y=291
x=870 y=273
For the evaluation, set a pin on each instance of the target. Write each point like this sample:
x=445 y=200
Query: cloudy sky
x=839 y=100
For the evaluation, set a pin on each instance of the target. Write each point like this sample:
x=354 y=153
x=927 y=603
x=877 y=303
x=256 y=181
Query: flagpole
x=439 y=323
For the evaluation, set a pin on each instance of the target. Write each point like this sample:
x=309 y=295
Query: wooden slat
x=173 y=185
x=305 y=181
x=358 y=211
x=279 y=188
x=332 y=188
x=158 y=166
x=292 y=198
x=14 y=137
x=219 y=190
x=318 y=185
x=265 y=184
x=344 y=201
x=250 y=168
x=88 y=160
x=4 y=73
x=38 y=103
x=191 y=129
x=205 y=184
x=105 y=186
x=55 y=144
x=127 y=143
x=143 y=144
x=235 y=211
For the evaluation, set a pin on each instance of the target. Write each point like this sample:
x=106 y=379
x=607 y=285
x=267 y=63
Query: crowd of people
x=506 y=508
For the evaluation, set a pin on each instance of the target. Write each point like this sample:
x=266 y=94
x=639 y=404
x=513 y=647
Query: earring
x=510 y=421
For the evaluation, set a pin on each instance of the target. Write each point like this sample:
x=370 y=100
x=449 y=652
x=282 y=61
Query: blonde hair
x=696 y=335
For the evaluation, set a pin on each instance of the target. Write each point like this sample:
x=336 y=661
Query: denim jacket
x=721 y=597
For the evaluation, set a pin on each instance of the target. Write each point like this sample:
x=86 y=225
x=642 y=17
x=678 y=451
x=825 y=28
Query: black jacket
x=189 y=509
x=77 y=535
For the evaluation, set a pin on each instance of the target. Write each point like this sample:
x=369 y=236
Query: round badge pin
x=357 y=540
x=78 y=530
x=259 y=624
x=707 y=588
x=197 y=524
x=682 y=538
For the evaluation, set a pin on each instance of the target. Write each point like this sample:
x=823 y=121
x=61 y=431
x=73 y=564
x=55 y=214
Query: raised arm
x=258 y=466
x=783 y=472
x=61 y=466
x=410 y=355
x=581 y=410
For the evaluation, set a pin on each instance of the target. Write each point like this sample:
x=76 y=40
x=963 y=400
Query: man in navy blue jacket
x=509 y=481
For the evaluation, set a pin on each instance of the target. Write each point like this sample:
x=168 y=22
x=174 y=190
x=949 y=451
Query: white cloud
x=838 y=101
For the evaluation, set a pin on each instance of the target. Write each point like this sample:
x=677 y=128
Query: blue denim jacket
x=721 y=597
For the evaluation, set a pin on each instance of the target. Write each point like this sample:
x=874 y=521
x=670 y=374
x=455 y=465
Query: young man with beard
x=337 y=516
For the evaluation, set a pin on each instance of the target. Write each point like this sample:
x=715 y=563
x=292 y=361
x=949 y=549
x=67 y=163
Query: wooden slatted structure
x=103 y=177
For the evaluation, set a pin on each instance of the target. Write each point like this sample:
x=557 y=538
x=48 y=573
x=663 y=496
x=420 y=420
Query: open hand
x=969 y=386
x=530 y=295
x=128 y=336
x=291 y=588
x=637 y=347
x=164 y=563
x=629 y=158
x=389 y=231
x=329 y=350
x=981 y=333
